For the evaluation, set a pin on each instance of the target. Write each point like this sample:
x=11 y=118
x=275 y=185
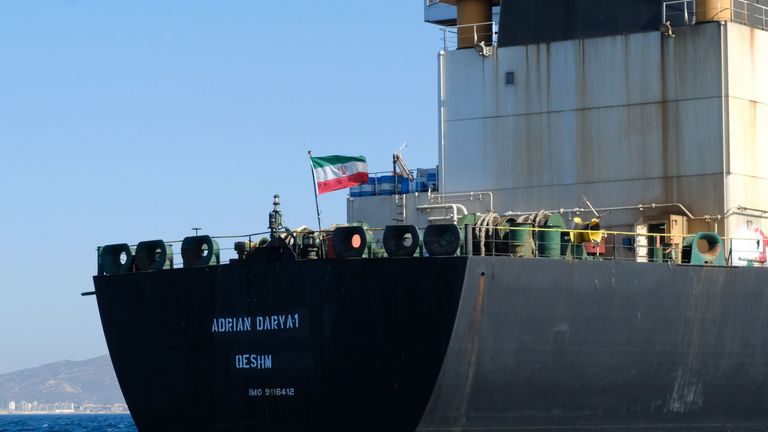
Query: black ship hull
x=439 y=344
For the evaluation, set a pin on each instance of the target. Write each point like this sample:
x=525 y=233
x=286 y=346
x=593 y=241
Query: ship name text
x=259 y=323
x=231 y=325
x=253 y=361
x=277 y=322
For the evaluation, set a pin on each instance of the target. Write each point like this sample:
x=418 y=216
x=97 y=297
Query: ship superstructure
x=650 y=108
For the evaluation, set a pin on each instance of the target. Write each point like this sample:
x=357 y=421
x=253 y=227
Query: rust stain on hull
x=474 y=346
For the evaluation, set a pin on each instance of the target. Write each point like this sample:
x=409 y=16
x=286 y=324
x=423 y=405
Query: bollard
x=468 y=239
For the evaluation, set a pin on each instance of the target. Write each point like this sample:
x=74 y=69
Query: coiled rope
x=485 y=225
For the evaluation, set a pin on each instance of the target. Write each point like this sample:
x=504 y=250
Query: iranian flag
x=339 y=172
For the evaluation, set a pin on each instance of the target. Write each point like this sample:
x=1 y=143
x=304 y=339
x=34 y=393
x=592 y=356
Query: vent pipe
x=713 y=10
x=470 y=12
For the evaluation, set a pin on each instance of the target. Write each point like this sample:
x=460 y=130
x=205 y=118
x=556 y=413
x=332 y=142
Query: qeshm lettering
x=253 y=361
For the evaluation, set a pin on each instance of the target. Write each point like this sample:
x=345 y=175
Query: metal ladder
x=399 y=212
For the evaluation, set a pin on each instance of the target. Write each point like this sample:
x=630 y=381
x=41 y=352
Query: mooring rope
x=485 y=224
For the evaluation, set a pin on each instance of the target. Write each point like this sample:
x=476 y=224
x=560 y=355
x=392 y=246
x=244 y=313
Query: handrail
x=468 y=196
x=689 y=17
x=451 y=34
x=753 y=19
x=400 y=186
x=747 y=12
x=453 y=217
x=746 y=211
x=639 y=207
x=612 y=245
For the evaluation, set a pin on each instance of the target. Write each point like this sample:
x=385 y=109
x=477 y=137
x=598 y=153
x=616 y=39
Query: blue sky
x=128 y=121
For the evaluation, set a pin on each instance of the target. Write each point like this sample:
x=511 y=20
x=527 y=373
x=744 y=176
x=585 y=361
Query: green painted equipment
x=548 y=239
x=514 y=238
x=704 y=248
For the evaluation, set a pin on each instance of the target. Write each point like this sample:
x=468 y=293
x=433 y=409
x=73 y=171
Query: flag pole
x=314 y=188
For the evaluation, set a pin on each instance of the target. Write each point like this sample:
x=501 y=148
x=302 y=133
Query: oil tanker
x=588 y=253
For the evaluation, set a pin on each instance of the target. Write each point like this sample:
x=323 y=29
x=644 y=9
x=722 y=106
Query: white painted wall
x=624 y=120
x=747 y=145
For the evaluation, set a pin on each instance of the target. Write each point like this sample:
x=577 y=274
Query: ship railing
x=749 y=13
x=529 y=242
x=533 y=242
x=227 y=243
x=556 y=243
x=227 y=250
x=613 y=245
x=478 y=32
x=378 y=177
x=679 y=12
x=382 y=183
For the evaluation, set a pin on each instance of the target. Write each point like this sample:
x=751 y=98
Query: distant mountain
x=79 y=382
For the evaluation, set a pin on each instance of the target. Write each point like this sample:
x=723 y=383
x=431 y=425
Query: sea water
x=67 y=423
